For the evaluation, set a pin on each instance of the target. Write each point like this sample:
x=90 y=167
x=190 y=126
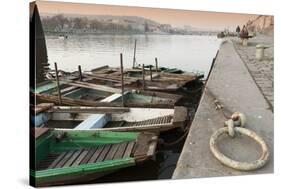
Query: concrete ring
x=243 y=166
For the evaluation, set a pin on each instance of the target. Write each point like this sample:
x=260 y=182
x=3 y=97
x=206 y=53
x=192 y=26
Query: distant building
x=166 y=27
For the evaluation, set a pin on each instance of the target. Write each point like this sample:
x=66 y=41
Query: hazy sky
x=199 y=19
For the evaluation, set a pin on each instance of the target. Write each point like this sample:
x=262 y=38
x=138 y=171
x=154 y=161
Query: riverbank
x=68 y=33
x=233 y=84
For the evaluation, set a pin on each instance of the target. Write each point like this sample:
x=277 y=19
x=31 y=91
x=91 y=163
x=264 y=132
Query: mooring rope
x=194 y=90
x=218 y=105
x=186 y=130
x=176 y=141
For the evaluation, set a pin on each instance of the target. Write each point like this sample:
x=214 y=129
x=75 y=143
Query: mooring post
x=150 y=73
x=134 y=59
x=58 y=83
x=80 y=73
x=156 y=64
x=122 y=78
x=143 y=77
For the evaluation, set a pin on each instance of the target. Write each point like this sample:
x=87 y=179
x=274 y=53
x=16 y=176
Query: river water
x=186 y=52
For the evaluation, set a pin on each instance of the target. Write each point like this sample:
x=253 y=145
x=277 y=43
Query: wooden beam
x=156 y=64
x=134 y=59
x=88 y=85
x=180 y=117
x=122 y=78
x=143 y=77
x=76 y=102
x=167 y=105
x=58 y=84
x=150 y=73
x=43 y=107
x=80 y=73
x=87 y=109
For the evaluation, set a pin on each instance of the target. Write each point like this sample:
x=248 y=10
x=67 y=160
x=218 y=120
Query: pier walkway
x=233 y=85
x=261 y=71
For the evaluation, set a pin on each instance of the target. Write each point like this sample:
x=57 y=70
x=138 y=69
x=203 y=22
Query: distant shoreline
x=48 y=33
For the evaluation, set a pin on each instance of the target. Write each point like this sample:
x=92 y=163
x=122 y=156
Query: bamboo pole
x=143 y=77
x=135 y=48
x=80 y=73
x=58 y=84
x=156 y=64
x=122 y=78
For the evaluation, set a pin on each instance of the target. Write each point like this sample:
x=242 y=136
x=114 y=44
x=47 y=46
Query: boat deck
x=155 y=121
x=140 y=149
x=87 y=155
x=154 y=81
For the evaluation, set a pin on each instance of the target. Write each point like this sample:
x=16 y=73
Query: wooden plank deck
x=155 y=121
x=88 y=155
x=83 y=156
x=120 y=151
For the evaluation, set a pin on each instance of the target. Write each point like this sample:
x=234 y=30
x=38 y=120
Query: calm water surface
x=189 y=53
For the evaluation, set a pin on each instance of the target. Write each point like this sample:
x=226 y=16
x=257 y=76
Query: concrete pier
x=232 y=83
x=260 y=70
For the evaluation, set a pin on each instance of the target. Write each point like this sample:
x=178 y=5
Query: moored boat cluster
x=89 y=124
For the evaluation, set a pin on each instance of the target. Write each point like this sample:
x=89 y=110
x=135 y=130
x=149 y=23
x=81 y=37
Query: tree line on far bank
x=60 y=23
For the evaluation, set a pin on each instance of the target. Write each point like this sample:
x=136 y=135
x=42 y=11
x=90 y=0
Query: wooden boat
x=71 y=91
x=153 y=80
x=164 y=69
x=110 y=119
x=133 y=79
x=87 y=94
x=106 y=70
x=67 y=157
x=62 y=36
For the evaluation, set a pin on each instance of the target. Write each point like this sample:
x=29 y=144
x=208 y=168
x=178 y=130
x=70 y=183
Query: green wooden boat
x=106 y=96
x=68 y=157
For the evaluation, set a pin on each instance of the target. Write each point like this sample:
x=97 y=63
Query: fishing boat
x=135 y=78
x=137 y=72
x=110 y=118
x=83 y=93
x=164 y=69
x=68 y=157
x=62 y=36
